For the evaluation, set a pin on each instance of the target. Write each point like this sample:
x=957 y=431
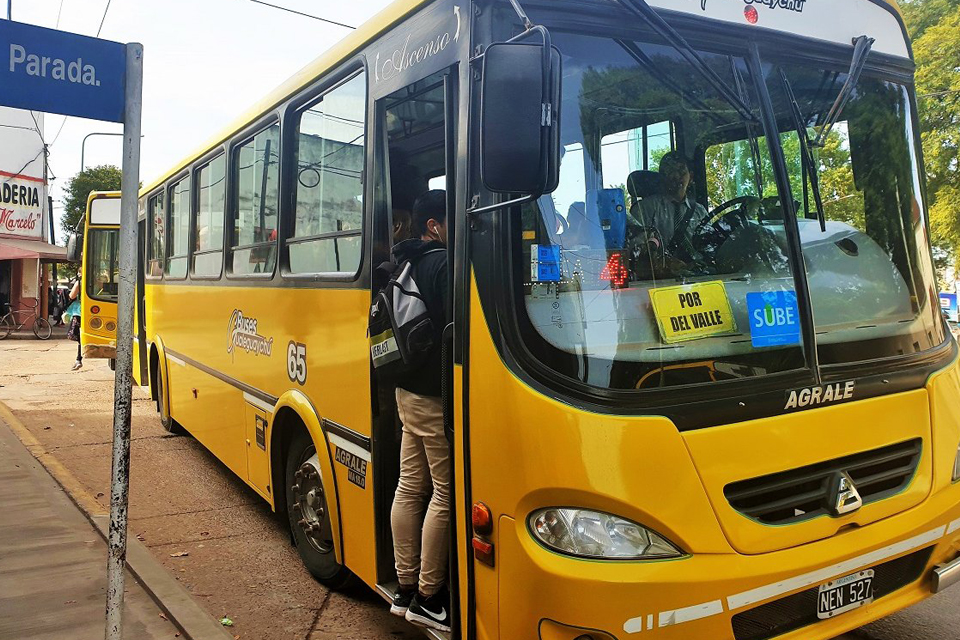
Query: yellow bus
x=697 y=384
x=101 y=278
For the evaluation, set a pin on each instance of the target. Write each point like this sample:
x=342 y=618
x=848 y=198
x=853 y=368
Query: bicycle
x=9 y=323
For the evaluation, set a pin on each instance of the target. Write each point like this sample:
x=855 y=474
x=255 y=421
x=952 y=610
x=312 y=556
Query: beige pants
x=421 y=543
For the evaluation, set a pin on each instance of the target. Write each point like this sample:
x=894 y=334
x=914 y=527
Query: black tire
x=42 y=328
x=315 y=549
x=6 y=326
x=168 y=423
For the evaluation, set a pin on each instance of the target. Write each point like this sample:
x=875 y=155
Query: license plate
x=841 y=595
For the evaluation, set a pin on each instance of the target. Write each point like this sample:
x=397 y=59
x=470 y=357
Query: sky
x=205 y=63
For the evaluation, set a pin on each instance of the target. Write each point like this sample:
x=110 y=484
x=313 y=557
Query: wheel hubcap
x=309 y=503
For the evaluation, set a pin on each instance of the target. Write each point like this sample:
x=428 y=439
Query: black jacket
x=430 y=274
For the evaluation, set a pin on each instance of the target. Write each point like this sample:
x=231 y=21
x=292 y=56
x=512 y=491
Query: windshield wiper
x=675 y=40
x=861 y=48
x=751 y=133
x=806 y=156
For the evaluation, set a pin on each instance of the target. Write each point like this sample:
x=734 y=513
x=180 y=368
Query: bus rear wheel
x=309 y=516
x=166 y=421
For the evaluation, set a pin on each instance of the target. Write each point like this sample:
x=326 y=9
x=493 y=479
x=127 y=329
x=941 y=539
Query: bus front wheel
x=309 y=516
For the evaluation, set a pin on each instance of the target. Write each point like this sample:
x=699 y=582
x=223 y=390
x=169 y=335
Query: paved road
x=240 y=562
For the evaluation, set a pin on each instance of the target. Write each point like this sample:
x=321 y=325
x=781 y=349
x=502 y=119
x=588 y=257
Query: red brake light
x=94 y=309
x=482 y=519
x=615 y=272
x=750 y=13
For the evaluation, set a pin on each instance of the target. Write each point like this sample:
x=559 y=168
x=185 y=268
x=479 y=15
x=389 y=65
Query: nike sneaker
x=402 y=599
x=432 y=612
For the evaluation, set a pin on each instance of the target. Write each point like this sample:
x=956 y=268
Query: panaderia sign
x=21 y=206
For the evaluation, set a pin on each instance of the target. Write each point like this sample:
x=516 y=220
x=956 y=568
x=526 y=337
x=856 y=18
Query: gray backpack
x=400 y=329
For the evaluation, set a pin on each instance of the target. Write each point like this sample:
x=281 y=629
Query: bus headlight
x=956 y=466
x=594 y=534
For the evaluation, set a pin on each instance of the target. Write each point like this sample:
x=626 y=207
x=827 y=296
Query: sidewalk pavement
x=53 y=562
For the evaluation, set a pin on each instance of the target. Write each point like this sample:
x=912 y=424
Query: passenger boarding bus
x=696 y=380
x=100 y=249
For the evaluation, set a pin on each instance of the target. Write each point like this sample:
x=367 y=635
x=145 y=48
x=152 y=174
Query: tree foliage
x=101 y=178
x=934 y=26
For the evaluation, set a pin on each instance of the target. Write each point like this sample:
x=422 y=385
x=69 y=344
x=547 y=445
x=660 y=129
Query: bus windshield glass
x=662 y=258
x=102 y=276
x=869 y=267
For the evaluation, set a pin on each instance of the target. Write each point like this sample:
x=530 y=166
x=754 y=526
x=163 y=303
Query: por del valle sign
x=21 y=210
x=58 y=72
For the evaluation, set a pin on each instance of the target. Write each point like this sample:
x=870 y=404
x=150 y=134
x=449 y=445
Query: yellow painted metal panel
x=243 y=333
x=745 y=450
x=258 y=464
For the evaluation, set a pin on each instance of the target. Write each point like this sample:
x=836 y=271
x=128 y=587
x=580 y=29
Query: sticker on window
x=774 y=318
x=692 y=311
x=544 y=263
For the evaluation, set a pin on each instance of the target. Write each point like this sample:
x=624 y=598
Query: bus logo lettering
x=356 y=467
x=404 y=58
x=242 y=334
x=813 y=396
x=790 y=5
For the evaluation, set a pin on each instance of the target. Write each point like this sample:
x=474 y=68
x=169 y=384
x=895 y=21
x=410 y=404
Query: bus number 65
x=297 y=362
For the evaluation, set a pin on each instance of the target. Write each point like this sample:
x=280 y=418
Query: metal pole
x=123 y=383
x=9 y=9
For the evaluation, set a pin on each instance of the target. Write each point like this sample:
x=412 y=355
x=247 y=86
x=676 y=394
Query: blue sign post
x=58 y=72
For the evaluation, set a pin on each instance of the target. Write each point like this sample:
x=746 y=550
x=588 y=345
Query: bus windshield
x=662 y=258
x=102 y=275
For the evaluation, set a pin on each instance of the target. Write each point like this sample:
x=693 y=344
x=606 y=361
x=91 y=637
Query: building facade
x=26 y=248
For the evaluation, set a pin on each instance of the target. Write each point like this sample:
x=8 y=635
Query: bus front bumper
x=99 y=351
x=733 y=596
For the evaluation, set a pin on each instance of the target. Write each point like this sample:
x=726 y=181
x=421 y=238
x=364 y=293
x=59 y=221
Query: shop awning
x=16 y=249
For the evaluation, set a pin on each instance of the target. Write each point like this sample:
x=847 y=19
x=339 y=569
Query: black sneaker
x=430 y=612
x=402 y=599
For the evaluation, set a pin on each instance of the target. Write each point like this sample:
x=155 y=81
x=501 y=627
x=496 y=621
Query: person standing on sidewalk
x=421 y=541
x=73 y=331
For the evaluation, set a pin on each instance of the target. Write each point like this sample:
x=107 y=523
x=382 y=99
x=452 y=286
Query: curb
x=169 y=595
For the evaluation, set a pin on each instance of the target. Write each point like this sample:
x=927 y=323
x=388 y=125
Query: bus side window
x=208 y=232
x=256 y=167
x=328 y=217
x=178 y=229
x=156 y=245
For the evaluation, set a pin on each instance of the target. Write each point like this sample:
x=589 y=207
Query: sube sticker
x=774 y=318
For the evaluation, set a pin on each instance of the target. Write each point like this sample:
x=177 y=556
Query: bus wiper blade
x=806 y=156
x=862 y=46
x=675 y=40
x=751 y=133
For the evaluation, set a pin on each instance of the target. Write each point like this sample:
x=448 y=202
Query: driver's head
x=674 y=175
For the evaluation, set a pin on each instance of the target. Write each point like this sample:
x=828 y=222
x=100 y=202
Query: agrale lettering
x=812 y=396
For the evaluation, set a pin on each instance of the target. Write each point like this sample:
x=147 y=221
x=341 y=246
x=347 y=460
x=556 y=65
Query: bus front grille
x=804 y=493
x=800 y=610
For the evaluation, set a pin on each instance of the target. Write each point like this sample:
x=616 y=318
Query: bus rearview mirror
x=74 y=247
x=520 y=119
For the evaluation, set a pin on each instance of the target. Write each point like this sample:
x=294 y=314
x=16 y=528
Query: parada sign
x=57 y=72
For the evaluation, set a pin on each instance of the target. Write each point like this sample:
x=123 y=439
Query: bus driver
x=673 y=212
